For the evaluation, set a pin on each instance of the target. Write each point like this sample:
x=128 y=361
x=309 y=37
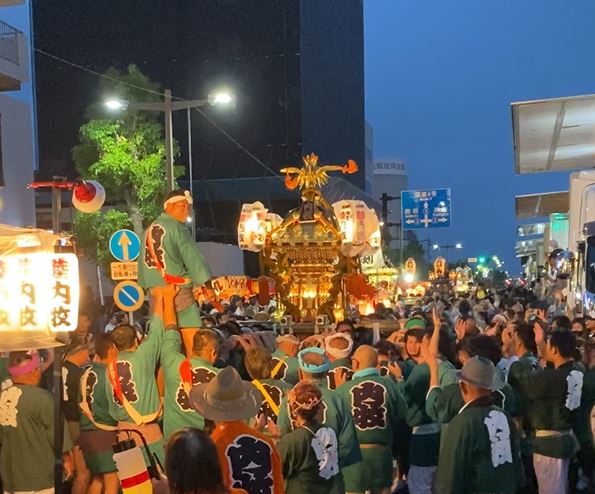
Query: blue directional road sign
x=128 y=296
x=425 y=209
x=124 y=245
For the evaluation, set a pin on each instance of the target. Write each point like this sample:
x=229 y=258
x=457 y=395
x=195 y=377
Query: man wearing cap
x=377 y=407
x=98 y=429
x=338 y=347
x=27 y=429
x=170 y=258
x=182 y=374
x=314 y=365
x=285 y=364
x=249 y=460
x=553 y=408
x=77 y=355
x=480 y=451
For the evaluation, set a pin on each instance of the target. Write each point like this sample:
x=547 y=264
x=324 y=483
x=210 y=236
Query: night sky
x=440 y=77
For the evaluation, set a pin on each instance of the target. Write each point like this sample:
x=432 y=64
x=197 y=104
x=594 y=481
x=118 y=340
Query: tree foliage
x=125 y=152
x=415 y=250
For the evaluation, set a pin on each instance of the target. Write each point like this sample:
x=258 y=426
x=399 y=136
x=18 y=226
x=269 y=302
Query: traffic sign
x=128 y=296
x=124 y=270
x=124 y=245
x=425 y=209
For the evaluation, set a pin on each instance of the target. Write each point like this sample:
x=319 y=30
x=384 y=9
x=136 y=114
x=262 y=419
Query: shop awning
x=540 y=205
x=554 y=134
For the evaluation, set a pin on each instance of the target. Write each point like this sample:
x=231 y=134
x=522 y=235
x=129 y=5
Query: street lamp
x=447 y=247
x=168 y=107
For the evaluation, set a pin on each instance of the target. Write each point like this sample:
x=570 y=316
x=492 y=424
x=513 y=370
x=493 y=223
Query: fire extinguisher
x=134 y=474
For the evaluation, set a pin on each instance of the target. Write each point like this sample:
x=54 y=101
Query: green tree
x=125 y=152
x=413 y=249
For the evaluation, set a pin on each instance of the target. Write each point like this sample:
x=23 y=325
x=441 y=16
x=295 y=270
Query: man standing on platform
x=171 y=262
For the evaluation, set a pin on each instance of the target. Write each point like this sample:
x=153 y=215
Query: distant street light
x=447 y=247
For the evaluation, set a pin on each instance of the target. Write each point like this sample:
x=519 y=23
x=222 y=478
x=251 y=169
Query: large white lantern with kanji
x=252 y=228
x=39 y=288
x=359 y=226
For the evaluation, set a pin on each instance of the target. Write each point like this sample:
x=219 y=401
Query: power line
x=224 y=132
x=159 y=93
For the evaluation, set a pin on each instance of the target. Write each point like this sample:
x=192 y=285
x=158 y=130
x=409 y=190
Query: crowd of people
x=468 y=396
x=487 y=392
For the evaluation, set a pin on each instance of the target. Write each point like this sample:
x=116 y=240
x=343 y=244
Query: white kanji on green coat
x=9 y=400
x=324 y=444
x=575 y=388
x=499 y=432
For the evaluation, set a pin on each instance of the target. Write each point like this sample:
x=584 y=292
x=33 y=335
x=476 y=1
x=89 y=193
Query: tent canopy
x=554 y=134
x=541 y=205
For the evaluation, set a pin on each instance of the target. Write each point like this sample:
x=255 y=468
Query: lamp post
x=168 y=107
x=385 y=198
x=447 y=247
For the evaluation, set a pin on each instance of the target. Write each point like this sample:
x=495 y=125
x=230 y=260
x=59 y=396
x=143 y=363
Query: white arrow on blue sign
x=128 y=296
x=425 y=209
x=124 y=245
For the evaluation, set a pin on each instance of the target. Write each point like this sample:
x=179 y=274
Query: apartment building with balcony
x=18 y=156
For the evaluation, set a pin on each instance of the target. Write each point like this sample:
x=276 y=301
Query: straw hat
x=226 y=397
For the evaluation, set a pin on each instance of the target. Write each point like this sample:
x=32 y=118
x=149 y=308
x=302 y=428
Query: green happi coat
x=4 y=375
x=480 y=453
x=136 y=374
x=27 y=438
x=342 y=364
x=525 y=363
x=94 y=394
x=289 y=368
x=301 y=465
x=424 y=448
x=277 y=390
x=377 y=407
x=553 y=406
x=177 y=412
x=179 y=255
x=443 y=404
x=337 y=416
x=96 y=397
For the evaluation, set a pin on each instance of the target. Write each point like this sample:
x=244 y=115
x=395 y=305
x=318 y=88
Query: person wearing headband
x=314 y=365
x=338 y=347
x=309 y=453
x=171 y=266
x=27 y=429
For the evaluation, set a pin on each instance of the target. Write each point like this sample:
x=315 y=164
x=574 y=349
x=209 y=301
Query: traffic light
x=482 y=259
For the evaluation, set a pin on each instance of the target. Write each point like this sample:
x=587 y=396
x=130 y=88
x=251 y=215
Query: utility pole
x=385 y=198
